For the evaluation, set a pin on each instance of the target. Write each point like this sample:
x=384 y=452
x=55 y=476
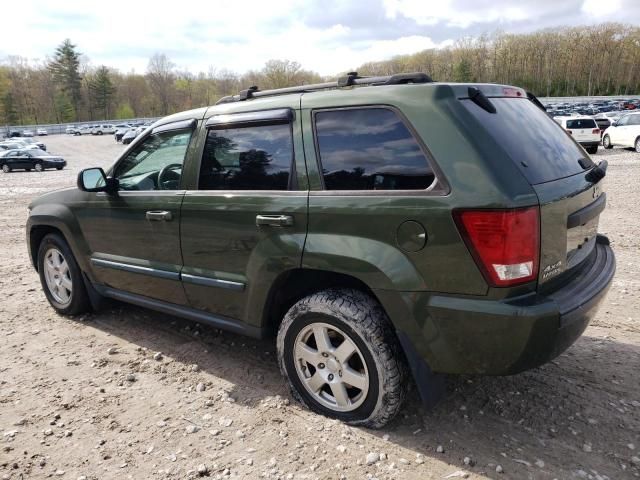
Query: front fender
x=61 y=218
x=377 y=264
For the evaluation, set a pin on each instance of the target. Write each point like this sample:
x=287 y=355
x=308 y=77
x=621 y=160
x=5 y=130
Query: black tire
x=79 y=300
x=592 y=150
x=364 y=322
x=637 y=144
x=606 y=142
x=59 y=168
x=100 y=132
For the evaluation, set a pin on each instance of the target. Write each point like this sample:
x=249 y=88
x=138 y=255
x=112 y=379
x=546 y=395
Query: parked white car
x=71 y=130
x=102 y=129
x=623 y=133
x=584 y=130
x=27 y=133
x=84 y=130
x=42 y=132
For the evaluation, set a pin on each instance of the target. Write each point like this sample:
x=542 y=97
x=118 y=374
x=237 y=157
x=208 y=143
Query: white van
x=625 y=132
x=584 y=130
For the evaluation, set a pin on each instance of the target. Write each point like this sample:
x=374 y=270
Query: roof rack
x=349 y=79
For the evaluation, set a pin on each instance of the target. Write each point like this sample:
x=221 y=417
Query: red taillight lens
x=595 y=130
x=504 y=243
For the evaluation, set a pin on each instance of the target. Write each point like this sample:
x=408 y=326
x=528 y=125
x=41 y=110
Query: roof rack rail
x=350 y=79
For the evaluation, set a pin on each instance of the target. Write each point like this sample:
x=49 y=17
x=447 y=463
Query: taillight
x=504 y=243
x=595 y=130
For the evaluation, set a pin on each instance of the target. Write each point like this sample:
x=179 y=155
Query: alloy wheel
x=331 y=367
x=58 y=276
x=38 y=167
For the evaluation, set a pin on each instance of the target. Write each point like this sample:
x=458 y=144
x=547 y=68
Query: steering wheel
x=169 y=171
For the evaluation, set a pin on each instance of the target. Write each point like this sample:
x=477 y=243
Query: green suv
x=377 y=227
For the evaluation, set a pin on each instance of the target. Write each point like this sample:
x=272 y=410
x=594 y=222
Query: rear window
x=581 y=123
x=540 y=148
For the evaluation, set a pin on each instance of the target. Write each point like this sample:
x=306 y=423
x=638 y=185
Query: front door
x=134 y=234
x=245 y=223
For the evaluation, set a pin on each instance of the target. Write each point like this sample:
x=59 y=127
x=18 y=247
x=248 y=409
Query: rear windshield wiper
x=597 y=173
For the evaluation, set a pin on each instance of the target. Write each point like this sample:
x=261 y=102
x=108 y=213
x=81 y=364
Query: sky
x=327 y=36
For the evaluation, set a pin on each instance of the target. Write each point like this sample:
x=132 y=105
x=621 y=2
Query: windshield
x=540 y=148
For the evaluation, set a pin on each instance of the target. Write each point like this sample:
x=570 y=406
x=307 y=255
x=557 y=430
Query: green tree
x=125 y=111
x=462 y=71
x=65 y=69
x=64 y=108
x=101 y=91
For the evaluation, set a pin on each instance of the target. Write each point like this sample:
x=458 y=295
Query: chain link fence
x=61 y=128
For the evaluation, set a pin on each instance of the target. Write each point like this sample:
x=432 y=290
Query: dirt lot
x=85 y=397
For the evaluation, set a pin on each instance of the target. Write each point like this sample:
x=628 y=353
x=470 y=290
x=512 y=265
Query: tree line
x=595 y=60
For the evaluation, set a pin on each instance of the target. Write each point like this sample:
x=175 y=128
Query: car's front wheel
x=61 y=277
x=606 y=142
x=6 y=168
x=342 y=358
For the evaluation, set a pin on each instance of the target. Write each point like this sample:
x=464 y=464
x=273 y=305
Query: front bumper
x=500 y=337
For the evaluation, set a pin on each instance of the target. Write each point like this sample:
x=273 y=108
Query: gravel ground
x=91 y=397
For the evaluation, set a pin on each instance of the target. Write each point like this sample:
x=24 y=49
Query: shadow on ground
x=572 y=418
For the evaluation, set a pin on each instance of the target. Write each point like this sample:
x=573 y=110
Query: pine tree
x=462 y=71
x=65 y=69
x=101 y=90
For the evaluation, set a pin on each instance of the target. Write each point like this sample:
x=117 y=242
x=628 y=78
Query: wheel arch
x=293 y=285
x=56 y=219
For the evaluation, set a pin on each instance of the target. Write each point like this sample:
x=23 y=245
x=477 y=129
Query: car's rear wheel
x=6 y=168
x=592 y=150
x=637 y=144
x=606 y=142
x=38 y=167
x=61 y=277
x=342 y=358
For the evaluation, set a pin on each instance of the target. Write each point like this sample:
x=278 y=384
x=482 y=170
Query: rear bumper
x=500 y=337
x=589 y=143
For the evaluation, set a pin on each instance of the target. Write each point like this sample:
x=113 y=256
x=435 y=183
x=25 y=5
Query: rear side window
x=369 y=149
x=247 y=158
x=539 y=147
x=581 y=123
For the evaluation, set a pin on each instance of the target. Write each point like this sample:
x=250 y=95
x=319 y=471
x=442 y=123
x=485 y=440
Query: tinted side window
x=369 y=149
x=247 y=158
x=623 y=121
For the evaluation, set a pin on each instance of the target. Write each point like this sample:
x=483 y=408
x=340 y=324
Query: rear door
x=244 y=221
x=556 y=168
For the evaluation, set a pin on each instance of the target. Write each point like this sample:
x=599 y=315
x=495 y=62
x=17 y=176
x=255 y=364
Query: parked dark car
x=364 y=238
x=27 y=159
x=603 y=124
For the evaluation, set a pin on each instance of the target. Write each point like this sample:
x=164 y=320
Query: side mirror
x=95 y=180
x=614 y=124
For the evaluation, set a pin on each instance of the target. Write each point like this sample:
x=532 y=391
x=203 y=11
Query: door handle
x=274 y=220
x=159 y=215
